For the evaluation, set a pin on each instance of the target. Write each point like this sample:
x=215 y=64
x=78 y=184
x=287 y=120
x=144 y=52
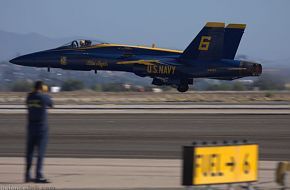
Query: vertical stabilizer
x=232 y=38
x=208 y=44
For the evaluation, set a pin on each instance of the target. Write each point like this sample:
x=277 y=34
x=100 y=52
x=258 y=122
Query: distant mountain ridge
x=14 y=44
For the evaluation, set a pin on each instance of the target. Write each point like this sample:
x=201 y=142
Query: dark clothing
x=38 y=141
x=37 y=103
x=37 y=129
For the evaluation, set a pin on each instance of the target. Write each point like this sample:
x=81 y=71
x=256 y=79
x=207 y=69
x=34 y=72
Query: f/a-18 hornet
x=210 y=55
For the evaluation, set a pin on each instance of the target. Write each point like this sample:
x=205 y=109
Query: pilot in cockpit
x=85 y=43
x=82 y=43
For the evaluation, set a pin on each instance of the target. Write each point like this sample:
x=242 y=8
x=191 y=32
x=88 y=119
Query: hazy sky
x=167 y=23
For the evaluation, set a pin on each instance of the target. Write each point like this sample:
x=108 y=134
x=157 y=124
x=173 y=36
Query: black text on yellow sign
x=220 y=164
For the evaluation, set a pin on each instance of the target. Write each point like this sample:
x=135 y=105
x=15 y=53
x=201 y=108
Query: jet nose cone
x=25 y=60
x=14 y=61
x=21 y=60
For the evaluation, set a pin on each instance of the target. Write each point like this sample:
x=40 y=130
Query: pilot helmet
x=82 y=42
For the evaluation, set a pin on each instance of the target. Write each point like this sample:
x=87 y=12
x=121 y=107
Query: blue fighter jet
x=210 y=55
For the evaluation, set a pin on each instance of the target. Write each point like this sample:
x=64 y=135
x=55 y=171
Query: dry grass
x=90 y=97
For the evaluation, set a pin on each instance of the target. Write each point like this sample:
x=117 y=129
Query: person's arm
x=26 y=100
x=48 y=101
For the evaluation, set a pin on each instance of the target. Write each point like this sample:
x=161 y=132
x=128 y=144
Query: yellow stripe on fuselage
x=140 y=62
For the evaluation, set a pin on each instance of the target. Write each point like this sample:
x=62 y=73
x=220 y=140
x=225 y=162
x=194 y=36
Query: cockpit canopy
x=81 y=43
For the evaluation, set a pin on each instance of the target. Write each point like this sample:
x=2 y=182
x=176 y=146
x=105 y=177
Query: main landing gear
x=183 y=87
x=180 y=84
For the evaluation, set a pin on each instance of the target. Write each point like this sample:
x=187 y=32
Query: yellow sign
x=223 y=164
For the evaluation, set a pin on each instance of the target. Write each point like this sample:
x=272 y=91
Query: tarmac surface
x=147 y=135
x=114 y=174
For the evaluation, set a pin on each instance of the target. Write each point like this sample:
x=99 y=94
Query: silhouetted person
x=37 y=130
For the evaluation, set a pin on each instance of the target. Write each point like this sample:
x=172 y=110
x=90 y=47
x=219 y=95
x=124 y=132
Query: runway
x=186 y=108
x=147 y=135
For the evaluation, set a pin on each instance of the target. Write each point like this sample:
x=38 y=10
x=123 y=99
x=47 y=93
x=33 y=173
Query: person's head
x=82 y=43
x=38 y=86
